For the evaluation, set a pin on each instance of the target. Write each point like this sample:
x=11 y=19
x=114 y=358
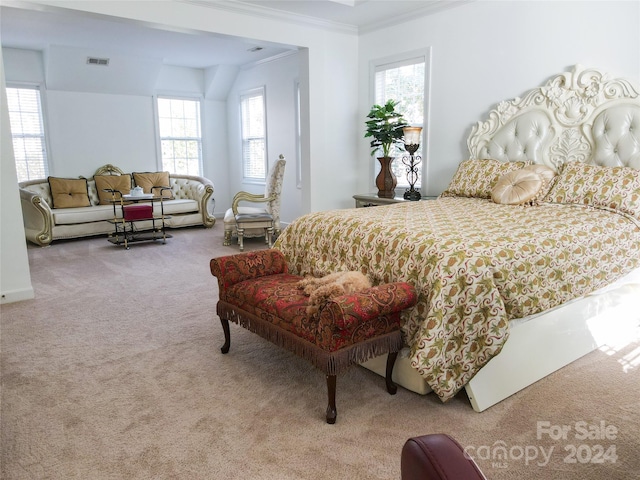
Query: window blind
x=27 y=131
x=254 y=164
x=180 y=135
x=403 y=81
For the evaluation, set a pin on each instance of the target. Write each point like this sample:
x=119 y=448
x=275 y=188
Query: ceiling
x=40 y=29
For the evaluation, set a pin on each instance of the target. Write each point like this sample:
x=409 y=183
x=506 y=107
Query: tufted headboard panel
x=616 y=136
x=582 y=115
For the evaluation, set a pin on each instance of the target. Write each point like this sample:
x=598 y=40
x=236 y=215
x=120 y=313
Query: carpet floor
x=114 y=371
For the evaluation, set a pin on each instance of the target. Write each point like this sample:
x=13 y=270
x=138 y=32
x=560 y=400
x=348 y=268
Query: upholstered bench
x=258 y=293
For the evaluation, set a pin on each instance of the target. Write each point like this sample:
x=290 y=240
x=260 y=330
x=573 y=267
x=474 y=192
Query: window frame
x=396 y=61
x=43 y=124
x=298 y=133
x=245 y=94
x=159 y=138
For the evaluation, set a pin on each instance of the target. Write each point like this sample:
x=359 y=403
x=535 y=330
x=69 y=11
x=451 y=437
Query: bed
x=530 y=258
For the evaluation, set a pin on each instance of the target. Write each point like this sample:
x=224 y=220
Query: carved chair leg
x=227 y=335
x=227 y=237
x=392 y=388
x=331 y=408
x=240 y=238
x=269 y=236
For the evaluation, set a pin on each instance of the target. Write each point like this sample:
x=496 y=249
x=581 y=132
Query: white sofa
x=192 y=204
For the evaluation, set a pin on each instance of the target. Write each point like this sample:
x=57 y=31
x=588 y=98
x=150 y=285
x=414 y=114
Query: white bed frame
x=575 y=116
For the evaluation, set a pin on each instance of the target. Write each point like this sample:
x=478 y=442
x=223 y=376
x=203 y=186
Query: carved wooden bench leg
x=392 y=388
x=331 y=408
x=227 y=335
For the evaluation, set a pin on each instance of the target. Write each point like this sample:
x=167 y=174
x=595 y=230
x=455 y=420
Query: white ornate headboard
x=582 y=115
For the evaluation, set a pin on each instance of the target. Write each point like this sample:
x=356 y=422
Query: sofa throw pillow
x=476 y=178
x=148 y=180
x=615 y=188
x=69 y=192
x=122 y=183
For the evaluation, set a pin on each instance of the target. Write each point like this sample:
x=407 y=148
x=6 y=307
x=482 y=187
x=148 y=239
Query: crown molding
x=239 y=7
x=273 y=14
x=428 y=9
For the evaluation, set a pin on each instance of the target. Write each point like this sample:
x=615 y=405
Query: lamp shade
x=412 y=135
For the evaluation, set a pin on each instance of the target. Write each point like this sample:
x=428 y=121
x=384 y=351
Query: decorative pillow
x=548 y=174
x=69 y=192
x=616 y=188
x=122 y=183
x=518 y=187
x=476 y=178
x=148 y=180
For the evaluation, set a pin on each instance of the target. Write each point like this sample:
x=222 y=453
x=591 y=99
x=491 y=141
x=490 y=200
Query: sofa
x=86 y=209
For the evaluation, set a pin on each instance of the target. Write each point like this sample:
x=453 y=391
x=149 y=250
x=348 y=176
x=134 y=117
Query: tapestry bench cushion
x=344 y=321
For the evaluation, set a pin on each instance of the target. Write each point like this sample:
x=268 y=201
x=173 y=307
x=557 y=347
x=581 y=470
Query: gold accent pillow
x=148 y=180
x=69 y=192
x=476 y=178
x=122 y=183
x=518 y=187
x=615 y=188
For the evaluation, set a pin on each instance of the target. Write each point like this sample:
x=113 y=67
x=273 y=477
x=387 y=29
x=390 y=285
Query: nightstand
x=372 y=200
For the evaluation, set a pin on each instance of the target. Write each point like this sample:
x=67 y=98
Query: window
x=254 y=143
x=403 y=81
x=27 y=131
x=180 y=135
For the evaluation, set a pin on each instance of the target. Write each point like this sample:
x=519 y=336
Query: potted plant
x=384 y=126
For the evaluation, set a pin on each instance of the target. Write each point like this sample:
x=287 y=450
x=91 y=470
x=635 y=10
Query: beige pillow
x=69 y=192
x=148 y=180
x=548 y=174
x=476 y=178
x=518 y=187
x=122 y=183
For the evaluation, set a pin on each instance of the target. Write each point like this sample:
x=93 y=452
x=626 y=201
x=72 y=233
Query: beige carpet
x=114 y=371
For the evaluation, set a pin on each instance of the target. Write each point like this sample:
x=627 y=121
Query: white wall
x=15 y=279
x=88 y=130
x=278 y=78
x=488 y=51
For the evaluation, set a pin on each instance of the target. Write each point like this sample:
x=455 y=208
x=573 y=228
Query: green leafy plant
x=385 y=126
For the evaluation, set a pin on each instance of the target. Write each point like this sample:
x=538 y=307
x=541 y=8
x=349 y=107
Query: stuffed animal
x=321 y=289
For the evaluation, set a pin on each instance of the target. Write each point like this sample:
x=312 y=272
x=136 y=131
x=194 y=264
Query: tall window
x=403 y=81
x=180 y=135
x=27 y=130
x=254 y=142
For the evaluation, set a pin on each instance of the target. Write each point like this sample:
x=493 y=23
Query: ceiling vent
x=97 y=61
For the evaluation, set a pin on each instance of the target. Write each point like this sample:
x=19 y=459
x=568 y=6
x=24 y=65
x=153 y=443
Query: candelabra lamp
x=412 y=161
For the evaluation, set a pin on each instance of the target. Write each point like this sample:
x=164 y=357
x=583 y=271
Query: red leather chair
x=437 y=457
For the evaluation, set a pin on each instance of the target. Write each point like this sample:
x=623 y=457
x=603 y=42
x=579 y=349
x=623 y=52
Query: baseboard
x=12 y=296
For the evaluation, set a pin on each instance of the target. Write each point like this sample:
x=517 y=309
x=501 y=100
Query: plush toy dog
x=330 y=286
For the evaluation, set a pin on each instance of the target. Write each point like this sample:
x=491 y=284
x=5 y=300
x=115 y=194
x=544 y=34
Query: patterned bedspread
x=476 y=265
